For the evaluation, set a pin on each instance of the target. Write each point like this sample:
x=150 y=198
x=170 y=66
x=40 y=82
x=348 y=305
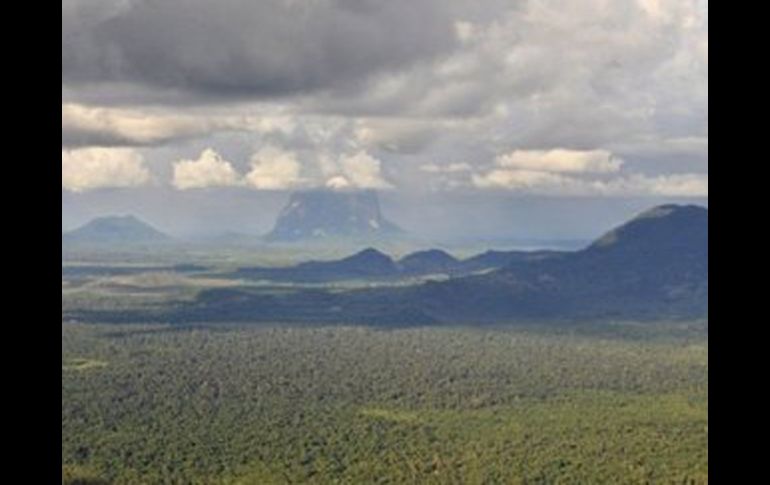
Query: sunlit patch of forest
x=606 y=403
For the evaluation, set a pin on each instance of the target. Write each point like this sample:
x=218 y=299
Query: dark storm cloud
x=244 y=47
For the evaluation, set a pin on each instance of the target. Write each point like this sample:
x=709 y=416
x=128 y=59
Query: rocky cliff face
x=320 y=214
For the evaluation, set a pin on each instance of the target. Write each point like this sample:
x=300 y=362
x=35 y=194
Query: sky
x=529 y=119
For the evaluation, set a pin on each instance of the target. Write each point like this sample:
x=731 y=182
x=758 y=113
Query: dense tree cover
x=272 y=404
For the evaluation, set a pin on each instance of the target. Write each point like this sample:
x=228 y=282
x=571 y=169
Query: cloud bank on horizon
x=542 y=97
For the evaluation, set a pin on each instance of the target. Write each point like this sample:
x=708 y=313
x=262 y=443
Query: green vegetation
x=82 y=364
x=619 y=403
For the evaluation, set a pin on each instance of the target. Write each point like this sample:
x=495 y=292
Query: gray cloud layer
x=448 y=85
x=247 y=48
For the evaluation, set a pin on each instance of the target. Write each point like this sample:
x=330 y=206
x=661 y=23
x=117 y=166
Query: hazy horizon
x=484 y=118
x=471 y=217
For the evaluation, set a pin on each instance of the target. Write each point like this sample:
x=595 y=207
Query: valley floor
x=623 y=403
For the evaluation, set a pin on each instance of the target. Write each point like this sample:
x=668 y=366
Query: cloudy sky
x=202 y=115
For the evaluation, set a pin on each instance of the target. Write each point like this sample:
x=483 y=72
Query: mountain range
x=654 y=267
x=372 y=264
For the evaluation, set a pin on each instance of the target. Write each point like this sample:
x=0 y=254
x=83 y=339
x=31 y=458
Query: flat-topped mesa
x=321 y=214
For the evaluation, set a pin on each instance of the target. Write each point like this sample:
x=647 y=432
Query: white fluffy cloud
x=84 y=125
x=95 y=168
x=446 y=169
x=554 y=184
x=396 y=135
x=675 y=185
x=561 y=161
x=561 y=172
x=520 y=180
x=551 y=74
x=209 y=170
x=359 y=170
x=338 y=182
x=274 y=169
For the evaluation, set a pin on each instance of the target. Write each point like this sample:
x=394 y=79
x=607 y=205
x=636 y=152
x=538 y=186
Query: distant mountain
x=327 y=214
x=663 y=231
x=655 y=267
x=116 y=230
x=367 y=264
x=374 y=265
x=429 y=261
